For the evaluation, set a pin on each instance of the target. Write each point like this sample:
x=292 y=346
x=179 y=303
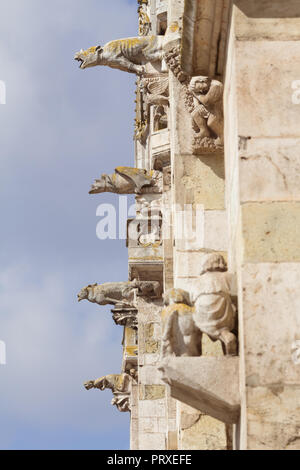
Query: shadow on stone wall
x=269 y=8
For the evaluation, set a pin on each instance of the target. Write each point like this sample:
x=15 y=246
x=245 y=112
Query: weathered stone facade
x=211 y=309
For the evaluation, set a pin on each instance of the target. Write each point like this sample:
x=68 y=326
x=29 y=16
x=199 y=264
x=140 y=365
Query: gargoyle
x=181 y=337
x=215 y=314
x=119 y=293
x=128 y=180
x=130 y=54
x=120 y=384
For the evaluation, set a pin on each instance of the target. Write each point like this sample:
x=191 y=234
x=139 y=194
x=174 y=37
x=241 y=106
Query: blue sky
x=60 y=129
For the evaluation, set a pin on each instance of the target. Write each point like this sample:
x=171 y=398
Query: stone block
x=271 y=322
x=187 y=265
x=271 y=232
x=206 y=434
x=270 y=170
x=152 y=408
x=152 y=441
x=162 y=425
x=172 y=443
x=148 y=425
x=152 y=392
x=273 y=418
x=149 y=375
x=201 y=230
x=203 y=178
x=151 y=359
x=265 y=107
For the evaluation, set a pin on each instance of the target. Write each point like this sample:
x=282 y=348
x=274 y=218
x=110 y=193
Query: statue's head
x=176 y=296
x=90 y=57
x=84 y=293
x=212 y=262
x=101 y=185
x=200 y=85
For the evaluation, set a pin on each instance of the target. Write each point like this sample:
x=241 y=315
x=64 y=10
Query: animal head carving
x=84 y=293
x=101 y=185
x=101 y=383
x=89 y=385
x=89 y=58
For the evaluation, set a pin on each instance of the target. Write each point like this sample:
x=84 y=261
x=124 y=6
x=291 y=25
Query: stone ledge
x=208 y=384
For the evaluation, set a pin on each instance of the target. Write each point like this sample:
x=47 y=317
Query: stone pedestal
x=208 y=384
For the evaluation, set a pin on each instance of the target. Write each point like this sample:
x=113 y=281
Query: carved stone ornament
x=119 y=293
x=120 y=384
x=203 y=99
x=156 y=89
x=207 y=308
x=128 y=180
x=144 y=20
x=129 y=54
x=152 y=90
x=125 y=316
x=149 y=230
x=151 y=237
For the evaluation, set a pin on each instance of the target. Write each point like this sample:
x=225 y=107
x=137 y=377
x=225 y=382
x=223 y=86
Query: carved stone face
x=89 y=58
x=200 y=85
